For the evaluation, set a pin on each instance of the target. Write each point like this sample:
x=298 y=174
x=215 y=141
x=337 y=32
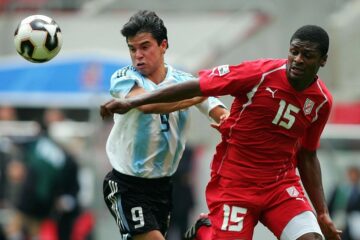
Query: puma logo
x=271 y=91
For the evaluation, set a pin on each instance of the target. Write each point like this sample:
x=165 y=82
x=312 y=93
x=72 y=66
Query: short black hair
x=145 y=21
x=315 y=34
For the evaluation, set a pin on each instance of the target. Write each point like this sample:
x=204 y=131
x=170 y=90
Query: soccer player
x=279 y=112
x=145 y=149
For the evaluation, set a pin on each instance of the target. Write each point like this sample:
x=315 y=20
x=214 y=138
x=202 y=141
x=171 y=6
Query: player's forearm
x=310 y=173
x=187 y=103
x=171 y=93
x=161 y=108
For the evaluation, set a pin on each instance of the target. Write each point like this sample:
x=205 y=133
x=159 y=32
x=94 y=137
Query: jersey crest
x=308 y=106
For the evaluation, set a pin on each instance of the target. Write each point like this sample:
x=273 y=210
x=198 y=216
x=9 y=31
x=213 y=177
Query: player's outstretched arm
x=162 y=108
x=173 y=93
x=310 y=173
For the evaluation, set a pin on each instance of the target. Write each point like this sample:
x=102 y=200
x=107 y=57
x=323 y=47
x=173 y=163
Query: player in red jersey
x=279 y=112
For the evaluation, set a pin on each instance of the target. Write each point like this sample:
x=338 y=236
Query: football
x=38 y=38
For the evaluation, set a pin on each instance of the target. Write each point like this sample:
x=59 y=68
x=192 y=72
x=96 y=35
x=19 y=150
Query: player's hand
x=328 y=227
x=114 y=106
x=222 y=120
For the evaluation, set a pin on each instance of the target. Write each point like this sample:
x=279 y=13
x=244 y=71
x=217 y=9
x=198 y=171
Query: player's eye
x=309 y=55
x=294 y=52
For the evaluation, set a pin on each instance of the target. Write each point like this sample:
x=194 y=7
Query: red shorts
x=236 y=207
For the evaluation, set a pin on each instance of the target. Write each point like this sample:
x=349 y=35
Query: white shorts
x=308 y=223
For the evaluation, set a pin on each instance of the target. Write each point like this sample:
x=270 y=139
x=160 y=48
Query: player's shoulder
x=324 y=91
x=268 y=62
x=180 y=75
x=264 y=64
x=125 y=73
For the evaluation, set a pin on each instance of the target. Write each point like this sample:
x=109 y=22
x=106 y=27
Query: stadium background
x=202 y=34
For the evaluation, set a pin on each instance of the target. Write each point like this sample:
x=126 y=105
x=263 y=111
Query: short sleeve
x=206 y=106
x=229 y=80
x=122 y=81
x=311 y=139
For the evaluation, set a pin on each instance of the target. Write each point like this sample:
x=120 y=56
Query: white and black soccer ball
x=38 y=38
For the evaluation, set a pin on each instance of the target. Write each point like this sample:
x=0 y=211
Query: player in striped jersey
x=145 y=145
x=280 y=109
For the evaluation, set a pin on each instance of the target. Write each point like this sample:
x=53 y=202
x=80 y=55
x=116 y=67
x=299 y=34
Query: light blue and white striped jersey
x=149 y=145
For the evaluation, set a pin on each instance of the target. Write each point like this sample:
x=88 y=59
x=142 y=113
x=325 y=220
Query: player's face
x=304 y=61
x=146 y=55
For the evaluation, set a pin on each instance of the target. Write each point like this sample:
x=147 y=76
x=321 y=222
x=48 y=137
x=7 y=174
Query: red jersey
x=268 y=119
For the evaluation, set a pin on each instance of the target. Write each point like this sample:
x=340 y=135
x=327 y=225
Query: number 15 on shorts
x=233 y=218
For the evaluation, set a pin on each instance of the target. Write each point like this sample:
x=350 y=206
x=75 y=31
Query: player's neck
x=301 y=85
x=159 y=75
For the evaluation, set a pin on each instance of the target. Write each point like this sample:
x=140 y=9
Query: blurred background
x=62 y=99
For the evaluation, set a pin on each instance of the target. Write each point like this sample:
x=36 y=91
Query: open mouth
x=297 y=71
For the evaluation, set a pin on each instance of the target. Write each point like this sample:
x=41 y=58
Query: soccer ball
x=38 y=38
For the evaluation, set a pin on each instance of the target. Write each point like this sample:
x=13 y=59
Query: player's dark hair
x=148 y=22
x=315 y=34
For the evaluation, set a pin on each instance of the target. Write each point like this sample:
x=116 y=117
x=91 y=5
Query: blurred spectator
x=67 y=207
x=53 y=115
x=49 y=188
x=72 y=222
x=344 y=204
x=8 y=113
x=353 y=206
x=5 y=157
x=7 y=166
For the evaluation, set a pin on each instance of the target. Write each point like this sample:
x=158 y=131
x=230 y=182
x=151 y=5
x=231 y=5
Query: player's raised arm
x=173 y=93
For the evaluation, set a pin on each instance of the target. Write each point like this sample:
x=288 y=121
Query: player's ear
x=323 y=60
x=164 y=45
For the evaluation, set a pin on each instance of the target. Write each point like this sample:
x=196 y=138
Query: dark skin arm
x=163 y=107
x=184 y=94
x=173 y=93
x=310 y=173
